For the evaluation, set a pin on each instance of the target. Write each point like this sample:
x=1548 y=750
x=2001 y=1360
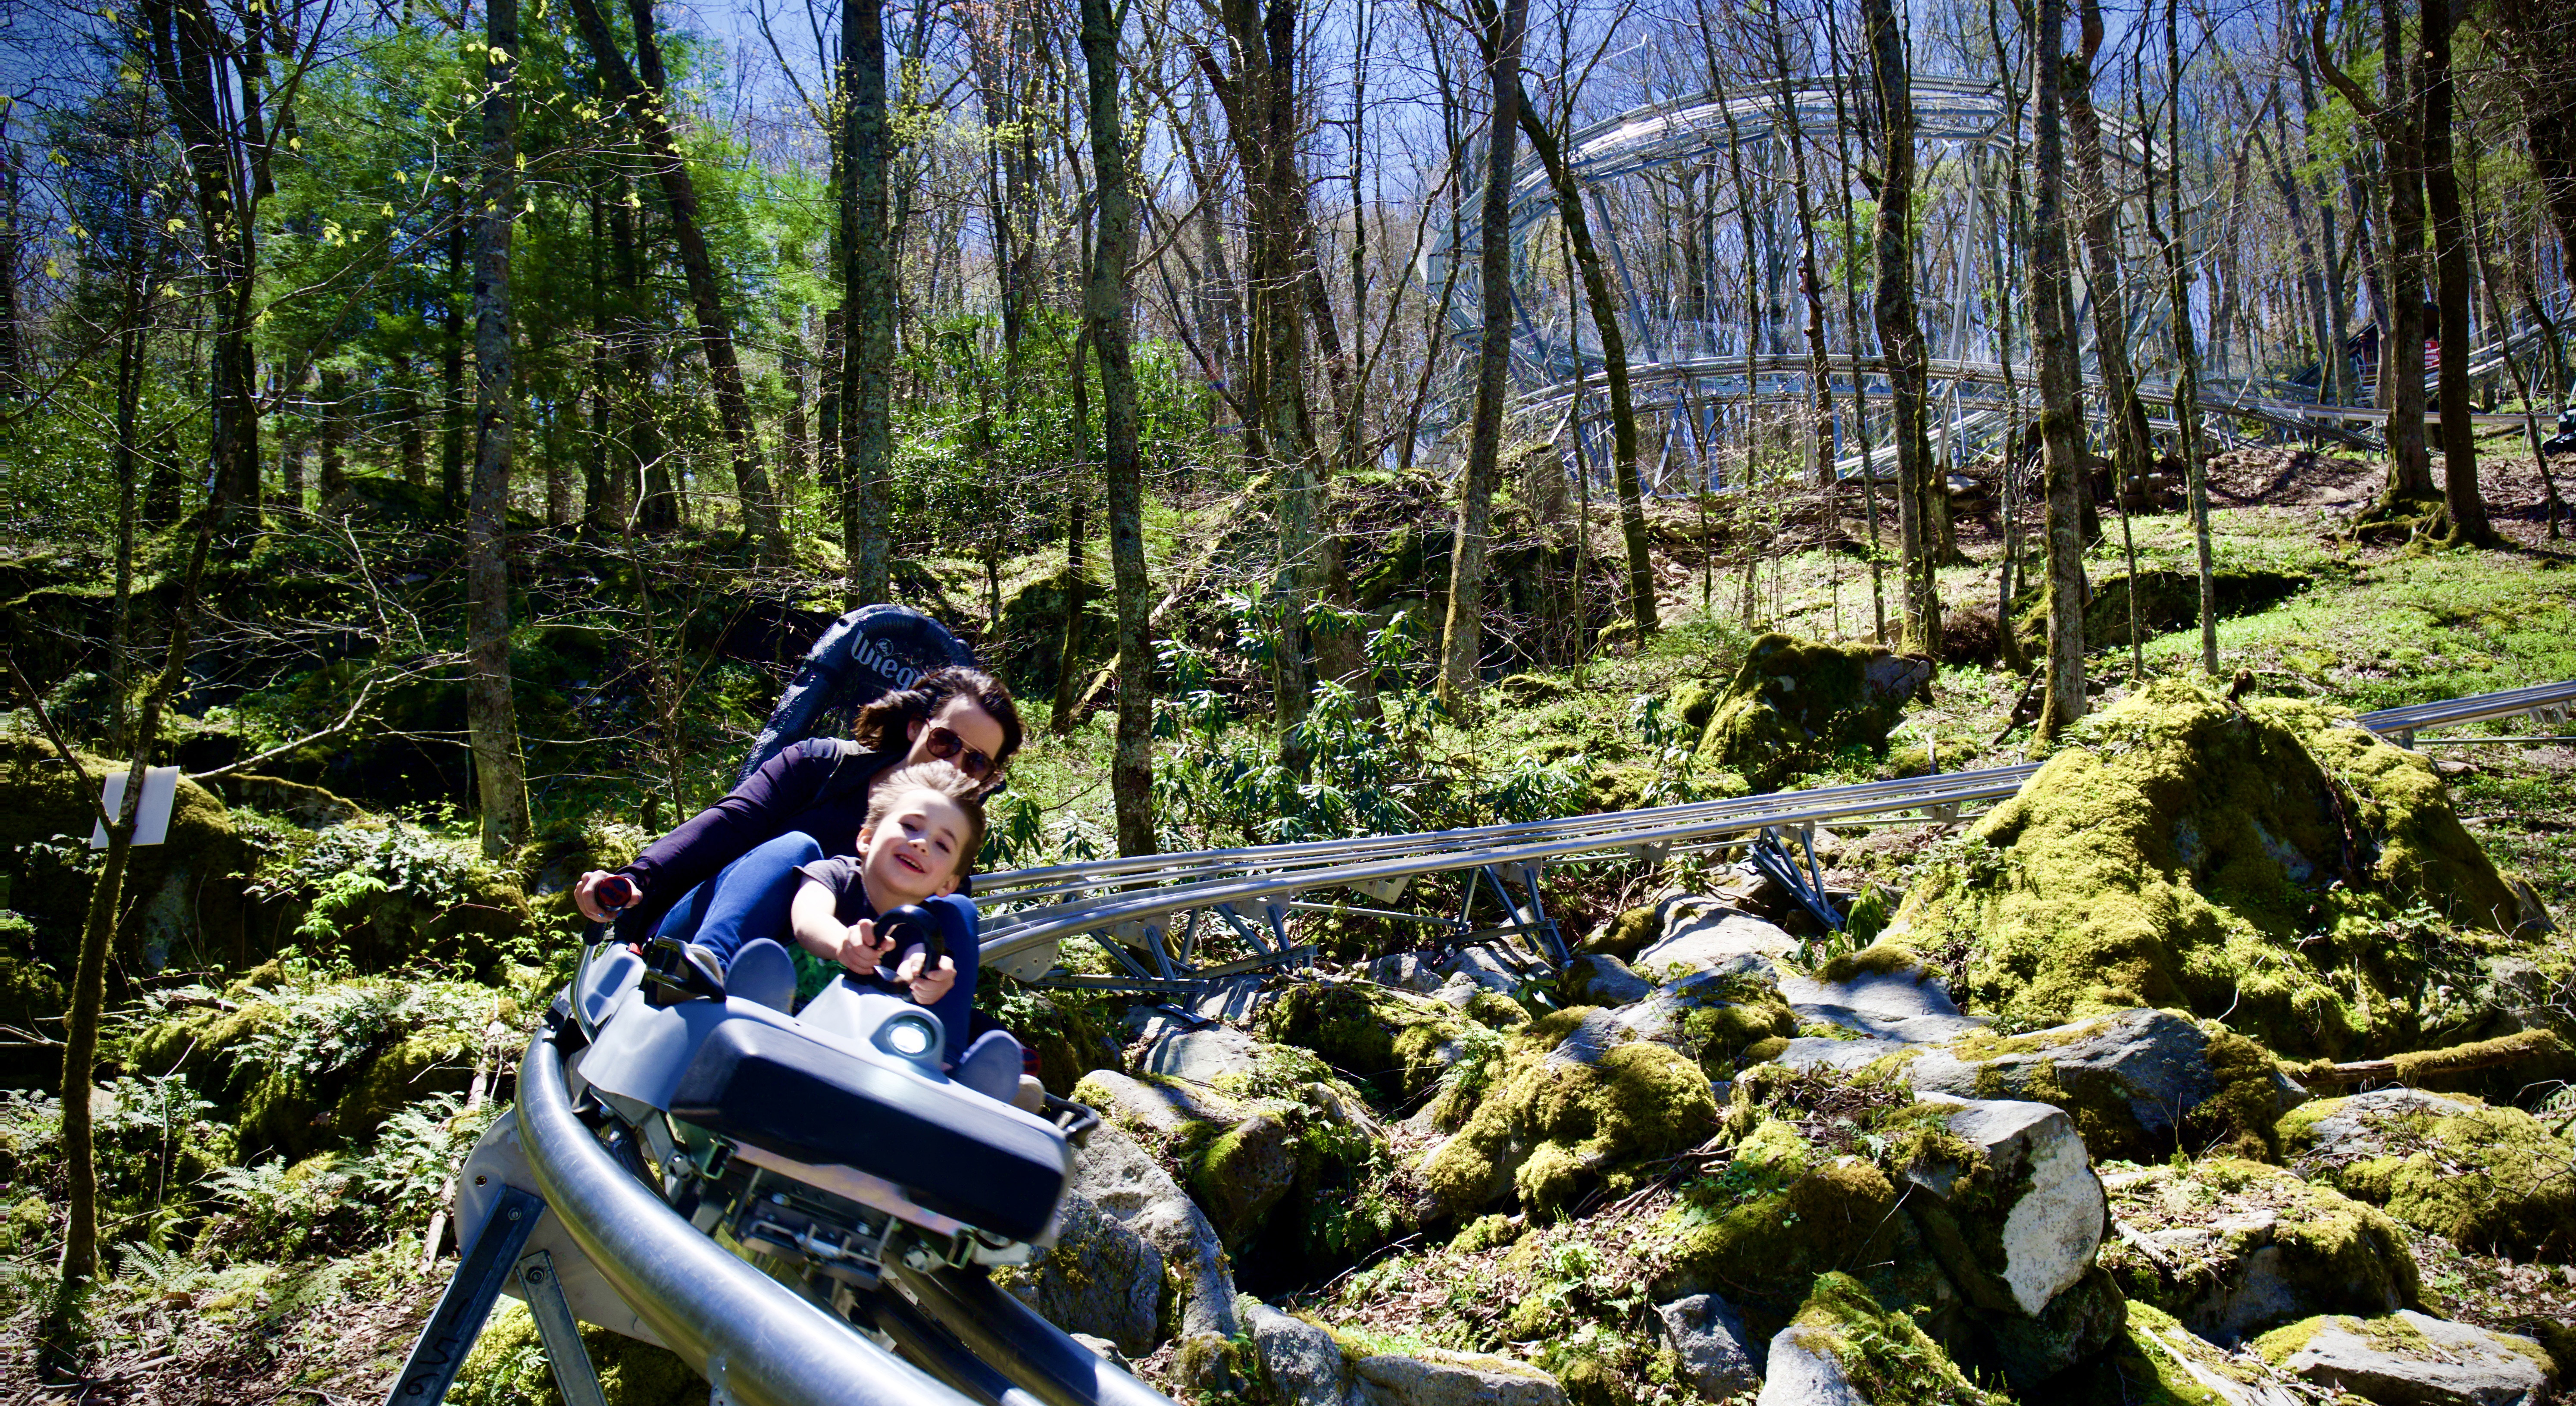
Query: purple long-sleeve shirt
x=819 y=786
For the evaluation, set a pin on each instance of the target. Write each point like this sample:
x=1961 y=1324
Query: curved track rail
x=1130 y=905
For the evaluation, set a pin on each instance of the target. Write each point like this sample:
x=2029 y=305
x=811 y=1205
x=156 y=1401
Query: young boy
x=924 y=825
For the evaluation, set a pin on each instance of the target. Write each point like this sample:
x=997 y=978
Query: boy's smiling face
x=914 y=852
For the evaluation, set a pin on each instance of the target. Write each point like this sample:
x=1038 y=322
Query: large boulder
x=1599 y=979
x=1303 y=1362
x=1434 y=1377
x=1885 y=992
x=1786 y=1210
x=1718 y=1355
x=1391 y=1041
x=183 y=897
x=2011 y=1208
x=1579 y=1102
x=2183 y=850
x=1795 y=703
x=1714 y=1017
x=2233 y=1248
x=1708 y=935
x=2009 y=1202
x=1115 y=1174
x=2141 y=1084
x=1843 y=1348
x=2489 y=1178
x=2159 y=1360
x=1285 y=1159
x=2412 y=1359
x=1101 y=1277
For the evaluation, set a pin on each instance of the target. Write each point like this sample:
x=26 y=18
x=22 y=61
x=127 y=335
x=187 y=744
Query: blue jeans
x=746 y=899
x=750 y=897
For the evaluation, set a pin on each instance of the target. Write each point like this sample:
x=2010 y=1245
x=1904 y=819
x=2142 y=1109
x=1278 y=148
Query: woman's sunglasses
x=947 y=746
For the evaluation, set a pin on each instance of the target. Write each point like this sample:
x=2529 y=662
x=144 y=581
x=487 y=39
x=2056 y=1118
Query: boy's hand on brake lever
x=602 y=907
x=927 y=985
x=860 y=951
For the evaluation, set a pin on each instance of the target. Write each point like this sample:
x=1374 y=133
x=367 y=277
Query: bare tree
x=1104 y=311
x=1900 y=331
x=491 y=717
x=2061 y=423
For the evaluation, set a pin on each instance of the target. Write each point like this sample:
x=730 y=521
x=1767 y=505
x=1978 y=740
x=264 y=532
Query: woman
x=728 y=875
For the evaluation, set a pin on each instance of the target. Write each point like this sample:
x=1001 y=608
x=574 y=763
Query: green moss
x=1385 y=1039
x=1779 y=1214
x=2329 y=1251
x=1883 y=959
x=2152 y=1364
x=433 y=1061
x=1485 y=1233
x=1552 y=1128
x=2488 y=1179
x=1891 y=1360
x=2183 y=851
x=2435 y=1068
x=2240 y=1118
x=1792 y=705
x=508 y=1368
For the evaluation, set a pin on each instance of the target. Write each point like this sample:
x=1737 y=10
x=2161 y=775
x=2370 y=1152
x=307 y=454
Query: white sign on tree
x=151 y=817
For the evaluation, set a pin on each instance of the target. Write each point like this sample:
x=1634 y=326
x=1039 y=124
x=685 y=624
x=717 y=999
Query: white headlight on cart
x=909 y=1036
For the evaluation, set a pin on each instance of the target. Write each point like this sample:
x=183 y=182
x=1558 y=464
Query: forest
x=438 y=429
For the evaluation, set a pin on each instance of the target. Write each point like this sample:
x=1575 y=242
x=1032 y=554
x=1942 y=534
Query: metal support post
x=450 y=1333
x=556 y=1328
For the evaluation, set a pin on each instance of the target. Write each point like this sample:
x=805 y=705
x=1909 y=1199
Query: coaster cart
x=668 y=1137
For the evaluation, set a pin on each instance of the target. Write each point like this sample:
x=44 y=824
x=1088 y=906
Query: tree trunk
x=1461 y=642
x=2460 y=495
x=98 y=932
x=2186 y=390
x=1077 y=500
x=1614 y=366
x=451 y=364
x=646 y=103
x=1104 y=309
x=335 y=438
x=491 y=718
x=188 y=60
x=867 y=302
x=2410 y=469
x=2061 y=424
x=1820 y=371
x=1900 y=331
x=2129 y=433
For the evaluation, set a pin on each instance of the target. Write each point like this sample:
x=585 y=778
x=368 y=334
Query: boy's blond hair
x=942 y=779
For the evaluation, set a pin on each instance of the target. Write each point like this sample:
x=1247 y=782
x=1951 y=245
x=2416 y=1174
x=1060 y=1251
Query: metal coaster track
x=1129 y=905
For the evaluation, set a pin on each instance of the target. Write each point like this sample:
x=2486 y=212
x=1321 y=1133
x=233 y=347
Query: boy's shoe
x=991 y=1066
x=1032 y=1096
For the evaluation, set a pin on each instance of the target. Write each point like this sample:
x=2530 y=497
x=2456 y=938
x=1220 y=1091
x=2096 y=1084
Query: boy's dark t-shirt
x=850 y=903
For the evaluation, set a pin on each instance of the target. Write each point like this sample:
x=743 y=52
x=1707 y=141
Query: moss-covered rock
x=29 y=993
x=1626 y=935
x=1781 y=1212
x=183 y=898
x=2255 y=861
x=1877 y=1350
x=2159 y=1362
x=2409 y=1356
x=508 y=1367
x=2488 y=1178
x=1394 y=1042
x=1286 y=1160
x=2233 y=1248
x=1795 y=703
x=2140 y=1084
x=1579 y=1102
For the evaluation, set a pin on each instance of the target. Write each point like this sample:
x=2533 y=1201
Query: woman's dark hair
x=883 y=726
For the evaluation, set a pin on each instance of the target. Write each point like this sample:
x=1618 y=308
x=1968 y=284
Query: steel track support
x=557 y=1329
x=458 y=1320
